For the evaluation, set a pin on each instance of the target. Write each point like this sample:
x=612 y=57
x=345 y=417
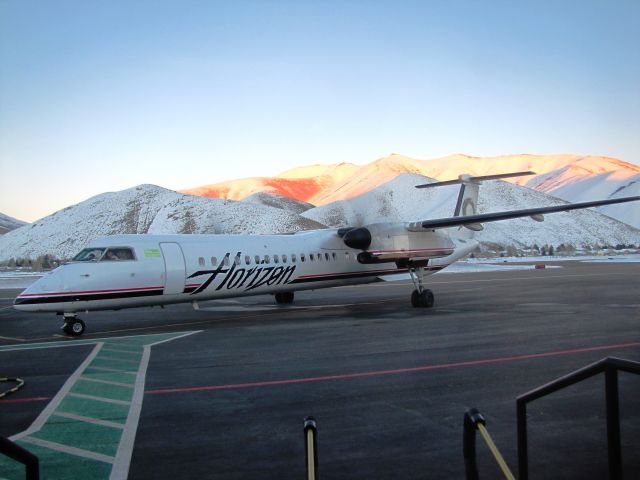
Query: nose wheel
x=73 y=326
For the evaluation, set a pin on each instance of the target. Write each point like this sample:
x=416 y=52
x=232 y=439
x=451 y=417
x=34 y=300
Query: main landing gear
x=421 y=297
x=73 y=326
x=284 y=297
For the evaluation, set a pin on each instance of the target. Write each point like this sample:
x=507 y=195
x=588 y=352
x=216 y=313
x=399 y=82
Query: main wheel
x=284 y=297
x=427 y=298
x=415 y=299
x=422 y=300
x=74 y=327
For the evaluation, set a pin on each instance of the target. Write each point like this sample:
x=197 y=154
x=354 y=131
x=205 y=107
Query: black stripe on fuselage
x=346 y=276
x=85 y=298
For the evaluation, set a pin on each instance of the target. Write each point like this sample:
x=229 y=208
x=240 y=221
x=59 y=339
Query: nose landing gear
x=73 y=326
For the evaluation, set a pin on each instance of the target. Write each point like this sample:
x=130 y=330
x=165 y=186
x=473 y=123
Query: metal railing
x=311 y=447
x=610 y=366
x=19 y=454
x=473 y=420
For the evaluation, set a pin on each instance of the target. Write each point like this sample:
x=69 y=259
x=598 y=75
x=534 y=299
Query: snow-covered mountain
x=277 y=201
x=569 y=177
x=398 y=200
x=299 y=183
x=8 y=223
x=146 y=209
x=152 y=209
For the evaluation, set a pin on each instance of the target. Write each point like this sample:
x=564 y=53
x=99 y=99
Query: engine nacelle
x=358 y=238
x=391 y=242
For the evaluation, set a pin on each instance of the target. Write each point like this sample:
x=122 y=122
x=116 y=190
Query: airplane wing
x=474 y=221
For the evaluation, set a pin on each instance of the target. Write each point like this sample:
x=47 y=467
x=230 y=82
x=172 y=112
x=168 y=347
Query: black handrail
x=610 y=367
x=19 y=454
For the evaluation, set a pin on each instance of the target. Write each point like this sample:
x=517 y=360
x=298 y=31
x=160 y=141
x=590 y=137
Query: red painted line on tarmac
x=24 y=400
x=378 y=373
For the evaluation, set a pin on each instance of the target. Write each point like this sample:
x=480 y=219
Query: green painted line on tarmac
x=88 y=429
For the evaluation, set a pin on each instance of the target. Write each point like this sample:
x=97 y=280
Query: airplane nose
x=52 y=282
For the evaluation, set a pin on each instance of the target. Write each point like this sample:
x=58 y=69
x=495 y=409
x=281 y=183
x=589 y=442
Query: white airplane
x=124 y=271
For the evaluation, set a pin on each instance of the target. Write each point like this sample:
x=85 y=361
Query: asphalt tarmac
x=225 y=389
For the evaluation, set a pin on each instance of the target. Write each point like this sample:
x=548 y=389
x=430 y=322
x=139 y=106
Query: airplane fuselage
x=165 y=269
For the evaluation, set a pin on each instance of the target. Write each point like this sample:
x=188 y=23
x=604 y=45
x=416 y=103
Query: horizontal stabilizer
x=468 y=178
x=473 y=220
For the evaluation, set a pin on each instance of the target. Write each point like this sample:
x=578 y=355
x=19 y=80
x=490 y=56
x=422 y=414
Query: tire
x=422 y=300
x=415 y=299
x=75 y=328
x=427 y=299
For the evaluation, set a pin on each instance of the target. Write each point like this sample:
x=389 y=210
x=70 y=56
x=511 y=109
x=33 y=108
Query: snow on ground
x=18 y=279
x=625 y=258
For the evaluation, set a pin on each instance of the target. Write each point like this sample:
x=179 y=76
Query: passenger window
x=284 y=259
x=334 y=256
x=266 y=259
x=302 y=257
x=326 y=256
x=201 y=261
x=311 y=257
x=89 y=255
x=117 y=254
x=276 y=259
x=214 y=261
x=293 y=257
x=237 y=260
x=257 y=259
x=247 y=259
x=226 y=261
x=319 y=256
x=346 y=256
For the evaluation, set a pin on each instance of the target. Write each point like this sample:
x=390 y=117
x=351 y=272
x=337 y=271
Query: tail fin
x=466 y=204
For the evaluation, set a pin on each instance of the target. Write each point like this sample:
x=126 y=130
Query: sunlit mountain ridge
x=569 y=177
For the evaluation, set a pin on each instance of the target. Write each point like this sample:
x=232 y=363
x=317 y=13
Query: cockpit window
x=119 y=253
x=89 y=255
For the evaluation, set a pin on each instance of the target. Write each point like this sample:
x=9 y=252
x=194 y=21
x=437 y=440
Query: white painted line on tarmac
x=95 y=421
x=106 y=382
x=58 y=447
x=115 y=359
x=122 y=460
x=119 y=350
x=115 y=370
x=99 y=399
x=62 y=393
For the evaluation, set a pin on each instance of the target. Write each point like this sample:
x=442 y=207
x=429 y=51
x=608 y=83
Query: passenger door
x=175 y=270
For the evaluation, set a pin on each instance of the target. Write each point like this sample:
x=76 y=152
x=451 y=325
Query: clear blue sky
x=103 y=95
